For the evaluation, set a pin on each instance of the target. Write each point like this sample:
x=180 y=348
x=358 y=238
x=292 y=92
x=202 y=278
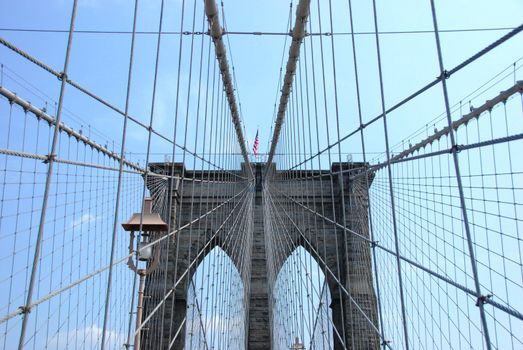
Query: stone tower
x=352 y=254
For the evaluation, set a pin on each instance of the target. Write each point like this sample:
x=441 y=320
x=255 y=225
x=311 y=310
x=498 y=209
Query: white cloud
x=84 y=219
x=86 y=338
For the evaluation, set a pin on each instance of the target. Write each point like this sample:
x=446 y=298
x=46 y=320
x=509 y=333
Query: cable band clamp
x=455 y=149
x=444 y=75
x=49 y=157
x=483 y=299
x=62 y=76
x=25 y=309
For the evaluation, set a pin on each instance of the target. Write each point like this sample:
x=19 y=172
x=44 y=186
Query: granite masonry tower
x=350 y=259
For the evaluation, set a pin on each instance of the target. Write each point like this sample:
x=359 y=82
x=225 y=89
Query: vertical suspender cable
x=459 y=182
x=109 y=279
x=389 y=172
x=51 y=158
x=120 y=170
x=216 y=33
x=298 y=33
x=364 y=153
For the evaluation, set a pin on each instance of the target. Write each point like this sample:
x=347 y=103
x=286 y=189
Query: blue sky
x=99 y=62
x=97 y=59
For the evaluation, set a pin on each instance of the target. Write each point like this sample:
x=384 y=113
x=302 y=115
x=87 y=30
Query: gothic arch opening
x=300 y=304
x=216 y=304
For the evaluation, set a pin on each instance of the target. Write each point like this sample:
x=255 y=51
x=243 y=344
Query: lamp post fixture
x=297 y=345
x=150 y=225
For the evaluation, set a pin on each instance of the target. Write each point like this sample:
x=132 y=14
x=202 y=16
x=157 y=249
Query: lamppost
x=150 y=225
x=297 y=345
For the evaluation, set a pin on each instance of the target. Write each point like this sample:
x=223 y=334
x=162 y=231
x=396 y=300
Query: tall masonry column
x=259 y=336
x=360 y=332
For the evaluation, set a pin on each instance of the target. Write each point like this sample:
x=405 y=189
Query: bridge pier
x=259 y=335
x=356 y=276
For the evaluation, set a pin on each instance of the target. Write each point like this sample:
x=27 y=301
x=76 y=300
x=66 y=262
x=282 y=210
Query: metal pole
x=139 y=310
x=216 y=32
x=50 y=161
x=363 y=149
x=391 y=191
x=444 y=76
x=298 y=33
x=119 y=186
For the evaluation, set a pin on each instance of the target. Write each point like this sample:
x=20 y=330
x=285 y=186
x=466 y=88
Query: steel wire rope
x=301 y=280
x=207 y=261
x=341 y=182
x=176 y=115
x=315 y=230
x=315 y=98
x=185 y=273
x=425 y=88
x=97 y=98
x=215 y=237
x=389 y=172
x=217 y=144
x=307 y=222
x=48 y=182
x=46 y=99
x=217 y=273
x=459 y=180
x=330 y=271
x=58 y=291
x=2 y=201
x=363 y=150
x=375 y=244
x=148 y=148
x=257 y=33
x=284 y=143
x=290 y=246
x=331 y=178
x=194 y=167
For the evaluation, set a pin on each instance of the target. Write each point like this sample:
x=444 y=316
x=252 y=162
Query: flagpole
x=255 y=145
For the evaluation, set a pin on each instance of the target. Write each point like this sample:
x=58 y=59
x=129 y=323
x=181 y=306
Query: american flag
x=256 y=143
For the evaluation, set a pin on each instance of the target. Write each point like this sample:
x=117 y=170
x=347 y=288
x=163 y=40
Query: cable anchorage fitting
x=455 y=149
x=24 y=309
x=483 y=299
x=62 y=76
x=49 y=157
x=444 y=75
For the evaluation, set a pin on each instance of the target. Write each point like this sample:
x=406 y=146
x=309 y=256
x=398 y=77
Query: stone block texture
x=340 y=196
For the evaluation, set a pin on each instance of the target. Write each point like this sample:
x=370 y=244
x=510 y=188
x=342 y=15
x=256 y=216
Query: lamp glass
x=145 y=254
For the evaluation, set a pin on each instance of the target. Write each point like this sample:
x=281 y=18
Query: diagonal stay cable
x=28 y=107
x=256 y=33
x=52 y=154
x=198 y=307
x=39 y=113
x=298 y=33
x=216 y=33
x=103 y=101
x=502 y=97
x=508 y=310
x=50 y=295
x=194 y=261
x=273 y=209
x=420 y=91
x=320 y=259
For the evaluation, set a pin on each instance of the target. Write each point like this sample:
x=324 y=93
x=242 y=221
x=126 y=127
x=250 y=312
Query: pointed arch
x=301 y=299
x=216 y=304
